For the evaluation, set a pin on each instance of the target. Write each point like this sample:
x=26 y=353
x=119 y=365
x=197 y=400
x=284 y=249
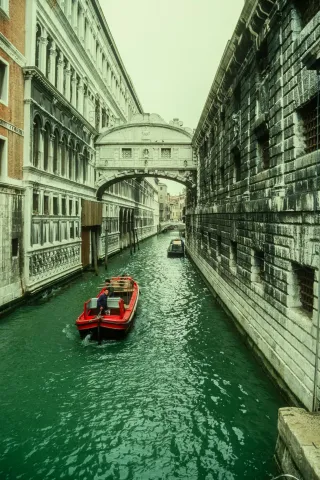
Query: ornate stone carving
x=50 y=262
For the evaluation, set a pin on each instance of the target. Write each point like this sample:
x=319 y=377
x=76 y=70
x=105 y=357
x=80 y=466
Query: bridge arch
x=145 y=147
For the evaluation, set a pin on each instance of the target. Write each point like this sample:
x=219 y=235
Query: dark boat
x=118 y=318
x=176 y=248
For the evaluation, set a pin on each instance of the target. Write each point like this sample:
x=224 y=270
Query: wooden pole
x=134 y=240
x=130 y=243
x=137 y=239
x=94 y=251
x=106 y=249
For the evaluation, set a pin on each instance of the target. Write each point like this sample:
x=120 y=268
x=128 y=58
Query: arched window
x=63 y=156
x=36 y=141
x=46 y=143
x=38 y=36
x=55 y=152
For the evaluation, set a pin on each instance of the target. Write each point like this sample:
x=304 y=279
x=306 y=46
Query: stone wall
x=253 y=228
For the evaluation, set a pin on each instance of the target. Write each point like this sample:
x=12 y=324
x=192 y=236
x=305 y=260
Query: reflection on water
x=179 y=398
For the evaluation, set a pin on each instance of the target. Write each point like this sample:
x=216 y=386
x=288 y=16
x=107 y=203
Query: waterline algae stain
x=179 y=398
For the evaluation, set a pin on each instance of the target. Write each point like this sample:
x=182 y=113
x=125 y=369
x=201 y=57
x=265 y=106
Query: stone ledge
x=298 y=445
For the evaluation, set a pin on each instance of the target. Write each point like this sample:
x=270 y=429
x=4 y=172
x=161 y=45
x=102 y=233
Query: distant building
x=177 y=204
x=164 y=203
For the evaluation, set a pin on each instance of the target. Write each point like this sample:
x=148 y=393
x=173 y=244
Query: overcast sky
x=171 y=50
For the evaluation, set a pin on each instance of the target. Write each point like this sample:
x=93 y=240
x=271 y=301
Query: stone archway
x=145 y=147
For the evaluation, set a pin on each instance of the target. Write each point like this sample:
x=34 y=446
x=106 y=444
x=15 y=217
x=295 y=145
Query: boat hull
x=115 y=323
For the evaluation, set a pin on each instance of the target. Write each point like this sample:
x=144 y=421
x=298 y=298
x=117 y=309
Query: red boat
x=118 y=318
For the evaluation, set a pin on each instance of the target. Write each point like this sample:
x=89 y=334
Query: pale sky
x=171 y=49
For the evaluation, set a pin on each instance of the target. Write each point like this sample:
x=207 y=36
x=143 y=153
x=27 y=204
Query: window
x=71 y=230
x=127 y=153
x=55 y=206
x=4 y=80
x=46 y=204
x=35 y=204
x=70 y=207
x=219 y=244
x=258 y=267
x=165 y=152
x=3 y=157
x=77 y=208
x=233 y=254
x=236 y=166
x=63 y=206
x=237 y=97
x=307 y=9
x=14 y=247
x=310 y=120
x=304 y=281
x=263 y=150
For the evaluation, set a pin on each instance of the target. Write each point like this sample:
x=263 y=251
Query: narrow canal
x=180 y=398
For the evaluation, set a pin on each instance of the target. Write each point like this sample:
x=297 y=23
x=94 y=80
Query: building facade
x=12 y=61
x=177 y=206
x=164 y=204
x=56 y=96
x=253 y=226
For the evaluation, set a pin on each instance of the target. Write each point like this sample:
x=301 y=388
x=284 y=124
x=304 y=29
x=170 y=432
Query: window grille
x=219 y=244
x=310 y=117
x=15 y=247
x=264 y=150
x=126 y=153
x=307 y=9
x=165 y=152
x=305 y=277
x=259 y=263
x=237 y=166
x=233 y=253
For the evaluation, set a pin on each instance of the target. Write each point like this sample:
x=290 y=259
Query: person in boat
x=102 y=302
x=109 y=287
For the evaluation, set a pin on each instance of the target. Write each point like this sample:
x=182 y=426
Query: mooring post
x=130 y=242
x=94 y=251
x=106 y=248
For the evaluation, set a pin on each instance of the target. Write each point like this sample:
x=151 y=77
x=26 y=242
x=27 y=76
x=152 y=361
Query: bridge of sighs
x=145 y=147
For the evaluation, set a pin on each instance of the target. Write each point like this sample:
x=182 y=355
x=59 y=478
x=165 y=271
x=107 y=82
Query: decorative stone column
x=85 y=104
x=74 y=90
x=75 y=15
x=52 y=62
x=41 y=148
x=50 y=153
x=80 y=96
x=43 y=51
x=81 y=27
x=68 y=81
x=60 y=72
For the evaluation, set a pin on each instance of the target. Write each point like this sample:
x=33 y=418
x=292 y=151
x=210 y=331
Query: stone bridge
x=145 y=147
x=169 y=225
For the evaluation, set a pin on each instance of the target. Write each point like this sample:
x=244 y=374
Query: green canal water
x=180 y=397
